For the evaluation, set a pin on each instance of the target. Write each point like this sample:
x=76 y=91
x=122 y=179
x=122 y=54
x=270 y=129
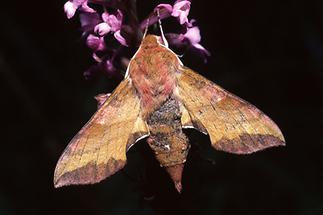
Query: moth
x=157 y=99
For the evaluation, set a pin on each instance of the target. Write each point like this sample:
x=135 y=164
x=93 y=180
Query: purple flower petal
x=101 y=98
x=105 y=16
x=86 y=8
x=167 y=7
x=102 y=28
x=79 y=2
x=181 y=10
x=70 y=9
x=71 y=6
x=201 y=48
x=109 y=67
x=95 y=43
x=120 y=38
x=193 y=35
x=176 y=40
x=96 y=58
x=115 y=21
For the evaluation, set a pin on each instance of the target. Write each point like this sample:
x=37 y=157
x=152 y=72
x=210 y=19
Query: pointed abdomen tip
x=178 y=186
x=175 y=172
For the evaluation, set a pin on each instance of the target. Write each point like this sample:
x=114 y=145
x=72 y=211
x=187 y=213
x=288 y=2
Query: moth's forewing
x=233 y=124
x=99 y=149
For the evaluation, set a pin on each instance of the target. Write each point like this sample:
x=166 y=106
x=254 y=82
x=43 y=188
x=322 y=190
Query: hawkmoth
x=159 y=97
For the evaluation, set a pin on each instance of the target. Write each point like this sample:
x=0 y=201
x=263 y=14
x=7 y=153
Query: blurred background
x=268 y=52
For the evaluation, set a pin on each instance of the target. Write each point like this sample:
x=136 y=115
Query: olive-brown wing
x=233 y=124
x=99 y=148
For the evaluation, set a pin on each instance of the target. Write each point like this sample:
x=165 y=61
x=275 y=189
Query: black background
x=267 y=52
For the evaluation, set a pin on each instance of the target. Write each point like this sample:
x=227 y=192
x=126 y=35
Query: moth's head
x=151 y=41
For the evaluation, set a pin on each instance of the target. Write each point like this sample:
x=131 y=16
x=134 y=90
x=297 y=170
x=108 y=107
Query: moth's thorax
x=152 y=71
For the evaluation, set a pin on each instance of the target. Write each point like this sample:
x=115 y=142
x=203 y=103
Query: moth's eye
x=177 y=117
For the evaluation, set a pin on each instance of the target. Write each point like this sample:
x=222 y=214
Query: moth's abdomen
x=167 y=139
x=170 y=147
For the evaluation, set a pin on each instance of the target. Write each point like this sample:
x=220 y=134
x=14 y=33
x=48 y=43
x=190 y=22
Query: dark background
x=267 y=52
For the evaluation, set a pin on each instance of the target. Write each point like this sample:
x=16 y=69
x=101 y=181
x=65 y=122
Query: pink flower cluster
x=97 y=27
x=110 y=23
x=180 y=10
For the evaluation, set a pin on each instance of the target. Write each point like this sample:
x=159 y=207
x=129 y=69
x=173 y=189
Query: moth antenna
x=146 y=28
x=161 y=29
